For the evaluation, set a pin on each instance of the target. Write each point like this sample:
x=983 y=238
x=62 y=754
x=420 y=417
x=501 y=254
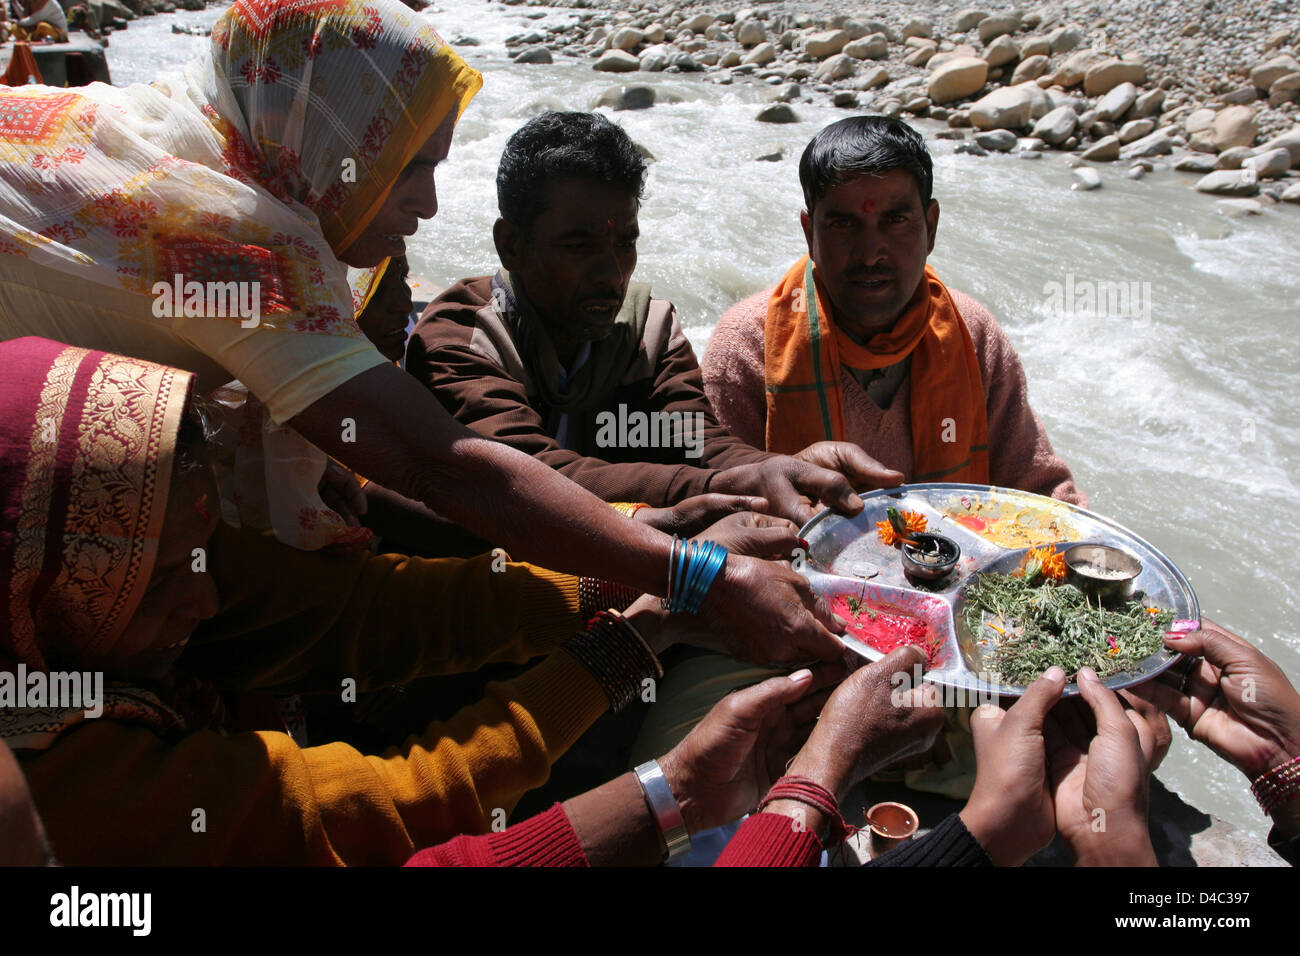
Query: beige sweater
x=1020 y=454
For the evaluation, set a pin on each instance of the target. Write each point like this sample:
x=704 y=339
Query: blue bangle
x=712 y=565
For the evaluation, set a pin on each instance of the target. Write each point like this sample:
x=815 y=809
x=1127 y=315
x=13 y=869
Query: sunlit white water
x=1181 y=420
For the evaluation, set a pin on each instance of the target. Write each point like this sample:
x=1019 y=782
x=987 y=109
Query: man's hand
x=342 y=493
x=791 y=484
x=1099 y=755
x=1010 y=810
x=755 y=535
x=731 y=758
x=763 y=612
x=870 y=723
x=692 y=515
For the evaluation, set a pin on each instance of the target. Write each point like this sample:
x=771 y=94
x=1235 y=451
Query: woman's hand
x=722 y=768
x=1010 y=810
x=1231 y=698
x=874 y=718
x=342 y=493
x=691 y=516
x=1099 y=756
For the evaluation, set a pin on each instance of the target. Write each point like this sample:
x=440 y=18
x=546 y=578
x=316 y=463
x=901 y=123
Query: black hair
x=863 y=145
x=199 y=426
x=557 y=144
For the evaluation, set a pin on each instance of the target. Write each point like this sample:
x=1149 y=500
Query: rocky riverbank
x=1209 y=88
x=105 y=16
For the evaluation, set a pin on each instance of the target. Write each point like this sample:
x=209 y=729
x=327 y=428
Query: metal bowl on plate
x=1102 y=572
x=922 y=564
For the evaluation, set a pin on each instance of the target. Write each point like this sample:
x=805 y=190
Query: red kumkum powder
x=885 y=627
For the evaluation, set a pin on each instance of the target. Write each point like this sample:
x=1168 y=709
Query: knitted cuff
x=771 y=839
x=948 y=844
x=597 y=595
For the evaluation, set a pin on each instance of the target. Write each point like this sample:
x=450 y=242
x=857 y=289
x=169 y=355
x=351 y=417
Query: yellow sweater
x=113 y=793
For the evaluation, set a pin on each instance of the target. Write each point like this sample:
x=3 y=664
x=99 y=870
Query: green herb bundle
x=1055 y=624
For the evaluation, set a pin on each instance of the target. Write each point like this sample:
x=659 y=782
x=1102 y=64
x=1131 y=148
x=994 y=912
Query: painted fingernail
x=1055 y=674
x=804 y=544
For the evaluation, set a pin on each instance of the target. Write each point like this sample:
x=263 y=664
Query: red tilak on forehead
x=609 y=224
x=868 y=206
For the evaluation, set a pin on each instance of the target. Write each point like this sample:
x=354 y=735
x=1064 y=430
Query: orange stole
x=804 y=351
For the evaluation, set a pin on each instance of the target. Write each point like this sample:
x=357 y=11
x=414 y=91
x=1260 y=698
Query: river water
x=1178 y=408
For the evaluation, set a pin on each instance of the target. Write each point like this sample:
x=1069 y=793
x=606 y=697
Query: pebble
x=1086 y=179
x=999 y=140
x=777 y=113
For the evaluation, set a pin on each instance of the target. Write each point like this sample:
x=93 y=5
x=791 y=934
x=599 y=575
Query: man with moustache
x=862 y=342
x=560 y=343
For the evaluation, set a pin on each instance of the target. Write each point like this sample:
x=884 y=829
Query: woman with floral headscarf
x=206 y=222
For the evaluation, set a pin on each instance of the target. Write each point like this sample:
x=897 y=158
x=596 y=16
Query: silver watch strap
x=659 y=797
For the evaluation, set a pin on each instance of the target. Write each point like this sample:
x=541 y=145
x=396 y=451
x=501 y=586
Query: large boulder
x=1234 y=126
x=698 y=23
x=1270 y=164
x=617 y=61
x=628 y=38
x=761 y=55
x=1103 y=77
x=1149 y=103
x=918 y=27
x=957 y=79
x=1076 y=67
x=873 y=47
x=1198 y=121
x=1105 y=150
x=1159 y=143
x=1028 y=69
x=838 y=67
x=777 y=113
x=1290 y=141
x=875 y=76
x=535 y=54
x=826 y=43
x=1056 y=126
x=969 y=18
x=1035 y=46
x=1266 y=72
x=1065 y=39
x=1134 y=130
x=627 y=98
x=1228 y=182
x=990 y=28
x=1011 y=107
x=751 y=33
x=1001 y=51
x=1117 y=102
x=998 y=140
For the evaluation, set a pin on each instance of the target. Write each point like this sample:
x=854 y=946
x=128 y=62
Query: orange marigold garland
x=916 y=522
x=1045 y=561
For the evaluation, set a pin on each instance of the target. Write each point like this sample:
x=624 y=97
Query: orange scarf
x=805 y=398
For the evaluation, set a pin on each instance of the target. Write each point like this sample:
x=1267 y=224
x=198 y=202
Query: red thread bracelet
x=810 y=792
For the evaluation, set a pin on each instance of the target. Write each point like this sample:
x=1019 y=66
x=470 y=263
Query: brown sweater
x=1020 y=454
x=450 y=354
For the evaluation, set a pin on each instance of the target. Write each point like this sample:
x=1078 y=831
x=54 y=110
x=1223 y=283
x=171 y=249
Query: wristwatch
x=663 y=806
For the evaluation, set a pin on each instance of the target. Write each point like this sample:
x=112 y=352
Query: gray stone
x=1148 y=104
x=774 y=155
x=973 y=149
x=969 y=18
x=873 y=47
x=698 y=23
x=1030 y=68
x=535 y=54
x=844 y=98
x=1035 y=46
x=1136 y=172
x=1117 y=101
x=1239 y=207
x=1076 y=66
x=1103 y=77
x=1158 y=143
x=1065 y=39
x=761 y=55
x=1266 y=72
x=777 y=113
x=1086 y=179
x=1001 y=51
x=874 y=77
x=919 y=56
x=1292 y=193
x=1234 y=157
x=1056 y=126
x=957 y=79
x=616 y=61
x=751 y=33
x=950 y=134
x=655 y=33
x=627 y=98
x=1029 y=154
x=1195 y=163
x=1136 y=129
x=1270 y=164
x=1198 y=121
x=654 y=59
x=1011 y=107
x=838 y=67
x=1290 y=141
x=826 y=43
x=990 y=28
x=918 y=27
x=998 y=140
x=685 y=63
x=628 y=38
x=1234 y=126
x=1228 y=182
